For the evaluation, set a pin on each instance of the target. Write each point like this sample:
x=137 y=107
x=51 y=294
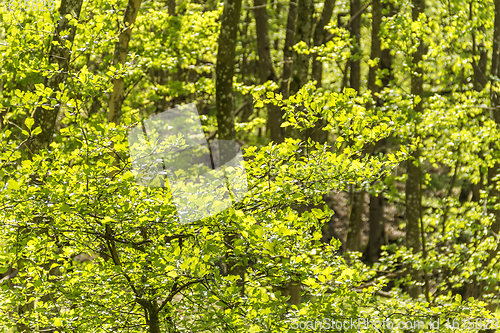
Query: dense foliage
x=393 y=104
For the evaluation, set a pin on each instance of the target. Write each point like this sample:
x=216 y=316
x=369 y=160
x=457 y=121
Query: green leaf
x=13 y=185
x=172 y=274
x=254 y=329
x=37 y=131
x=259 y=231
x=65 y=208
x=57 y=322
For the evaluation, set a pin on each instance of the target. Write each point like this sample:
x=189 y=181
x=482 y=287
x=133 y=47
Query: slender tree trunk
x=358 y=198
x=317 y=66
x=494 y=185
x=293 y=288
x=246 y=66
x=376 y=50
x=287 y=49
x=225 y=105
x=353 y=241
x=300 y=67
x=225 y=69
x=413 y=196
x=171 y=7
x=319 y=38
x=266 y=68
x=495 y=65
x=355 y=28
x=479 y=66
x=376 y=208
x=473 y=289
x=119 y=57
x=59 y=54
x=377 y=228
x=153 y=320
x=413 y=188
x=299 y=76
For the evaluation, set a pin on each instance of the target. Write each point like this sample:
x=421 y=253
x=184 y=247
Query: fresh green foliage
x=84 y=248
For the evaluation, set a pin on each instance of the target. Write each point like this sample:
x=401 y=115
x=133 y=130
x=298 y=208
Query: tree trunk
x=385 y=55
x=119 y=57
x=376 y=215
x=266 y=68
x=154 y=321
x=468 y=190
x=377 y=228
x=303 y=34
x=353 y=241
x=413 y=188
x=319 y=38
x=357 y=207
x=413 y=217
x=225 y=69
x=317 y=66
x=171 y=7
x=59 y=54
x=494 y=190
x=225 y=107
x=355 y=29
x=376 y=51
x=287 y=49
x=495 y=65
x=479 y=67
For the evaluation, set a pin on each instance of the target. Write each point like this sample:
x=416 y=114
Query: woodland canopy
x=249 y=165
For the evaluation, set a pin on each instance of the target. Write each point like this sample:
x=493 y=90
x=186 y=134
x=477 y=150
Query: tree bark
x=303 y=34
x=385 y=55
x=119 y=57
x=154 y=321
x=377 y=228
x=225 y=69
x=357 y=207
x=287 y=49
x=413 y=188
x=317 y=66
x=468 y=190
x=495 y=112
x=171 y=7
x=376 y=208
x=355 y=29
x=59 y=54
x=494 y=190
x=224 y=103
x=319 y=38
x=353 y=241
x=376 y=50
x=479 y=67
x=266 y=68
x=495 y=65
